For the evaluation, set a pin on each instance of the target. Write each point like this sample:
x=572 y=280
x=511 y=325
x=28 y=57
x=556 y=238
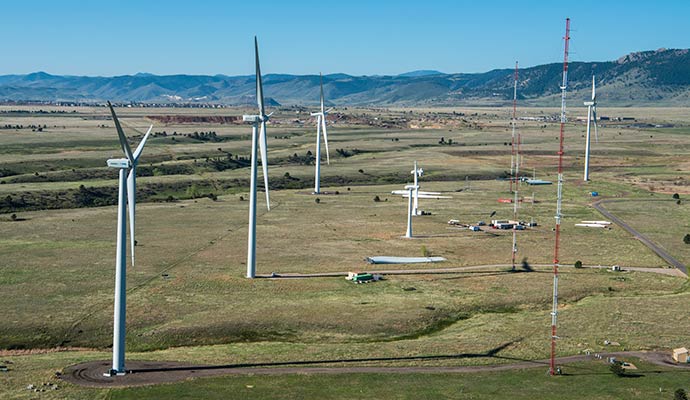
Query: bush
x=680 y=394
x=425 y=252
x=377 y=199
x=317 y=200
x=617 y=369
x=193 y=191
x=676 y=196
x=14 y=217
x=578 y=264
x=686 y=239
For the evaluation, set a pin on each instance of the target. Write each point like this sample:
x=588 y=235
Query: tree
x=680 y=394
x=676 y=196
x=686 y=238
x=578 y=264
x=14 y=217
x=317 y=200
x=377 y=199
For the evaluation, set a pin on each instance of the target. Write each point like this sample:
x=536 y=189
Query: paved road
x=155 y=372
x=599 y=206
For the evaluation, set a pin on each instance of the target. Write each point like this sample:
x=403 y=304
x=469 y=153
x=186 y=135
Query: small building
x=680 y=355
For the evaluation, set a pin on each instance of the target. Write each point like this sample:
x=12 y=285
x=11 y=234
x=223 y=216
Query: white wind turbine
x=320 y=124
x=591 y=117
x=258 y=142
x=126 y=194
x=416 y=194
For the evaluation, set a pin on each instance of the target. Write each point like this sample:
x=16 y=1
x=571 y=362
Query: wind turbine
x=416 y=194
x=320 y=124
x=417 y=173
x=591 y=116
x=258 y=142
x=126 y=194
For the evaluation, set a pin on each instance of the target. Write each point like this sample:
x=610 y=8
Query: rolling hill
x=660 y=77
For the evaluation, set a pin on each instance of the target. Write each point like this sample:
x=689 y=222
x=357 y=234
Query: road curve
x=599 y=206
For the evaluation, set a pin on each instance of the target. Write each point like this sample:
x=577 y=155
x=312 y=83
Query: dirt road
x=142 y=373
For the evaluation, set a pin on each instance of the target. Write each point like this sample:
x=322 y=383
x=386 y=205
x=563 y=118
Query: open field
x=188 y=300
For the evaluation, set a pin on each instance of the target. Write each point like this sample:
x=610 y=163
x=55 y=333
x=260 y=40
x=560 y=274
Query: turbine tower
x=417 y=173
x=258 y=143
x=410 y=190
x=320 y=124
x=591 y=118
x=126 y=195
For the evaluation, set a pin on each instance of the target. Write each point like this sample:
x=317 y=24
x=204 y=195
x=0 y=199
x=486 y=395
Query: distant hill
x=660 y=77
x=421 y=72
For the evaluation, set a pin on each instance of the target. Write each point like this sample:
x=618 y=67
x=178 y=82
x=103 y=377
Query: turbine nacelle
x=120 y=163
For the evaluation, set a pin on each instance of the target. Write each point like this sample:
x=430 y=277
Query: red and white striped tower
x=559 y=198
x=515 y=162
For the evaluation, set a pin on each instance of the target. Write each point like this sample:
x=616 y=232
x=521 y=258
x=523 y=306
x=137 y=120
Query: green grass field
x=188 y=300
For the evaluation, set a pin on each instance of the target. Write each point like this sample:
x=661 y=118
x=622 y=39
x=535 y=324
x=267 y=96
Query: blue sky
x=303 y=37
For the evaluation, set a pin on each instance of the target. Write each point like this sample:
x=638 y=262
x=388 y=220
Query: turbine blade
x=594 y=88
x=121 y=135
x=321 y=78
x=264 y=161
x=259 y=84
x=140 y=148
x=131 y=204
x=596 y=131
x=325 y=138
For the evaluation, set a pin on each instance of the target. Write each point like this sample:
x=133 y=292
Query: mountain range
x=659 y=77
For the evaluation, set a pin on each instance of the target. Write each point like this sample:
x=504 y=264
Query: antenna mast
x=515 y=162
x=559 y=198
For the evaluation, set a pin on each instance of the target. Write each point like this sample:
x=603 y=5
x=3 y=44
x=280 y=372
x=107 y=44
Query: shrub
x=14 y=217
x=686 y=239
x=377 y=199
x=578 y=264
x=676 y=196
x=617 y=369
x=425 y=252
x=680 y=394
x=317 y=200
